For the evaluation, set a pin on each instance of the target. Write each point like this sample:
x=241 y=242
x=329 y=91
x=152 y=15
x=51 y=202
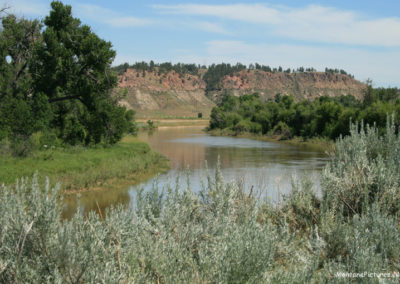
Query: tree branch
x=19 y=73
x=91 y=76
x=347 y=204
x=78 y=97
x=23 y=241
x=3 y=10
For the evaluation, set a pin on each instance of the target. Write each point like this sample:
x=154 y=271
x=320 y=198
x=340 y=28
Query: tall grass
x=221 y=234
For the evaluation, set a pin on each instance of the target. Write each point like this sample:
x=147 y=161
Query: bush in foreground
x=179 y=237
x=220 y=235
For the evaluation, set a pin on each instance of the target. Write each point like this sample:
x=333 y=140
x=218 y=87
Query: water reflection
x=266 y=167
x=96 y=200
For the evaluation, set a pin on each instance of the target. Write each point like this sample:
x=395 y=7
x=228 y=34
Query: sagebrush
x=221 y=234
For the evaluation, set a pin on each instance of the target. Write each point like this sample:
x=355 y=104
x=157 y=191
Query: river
x=267 y=168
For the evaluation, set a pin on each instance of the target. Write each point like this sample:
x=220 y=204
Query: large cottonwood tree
x=21 y=112
x=63 y=73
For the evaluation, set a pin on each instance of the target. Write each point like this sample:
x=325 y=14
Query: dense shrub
x=221 y=234
x=17 y=146
x=364 y=170
x=282 y=130
x=171 y=236
x=327 y=117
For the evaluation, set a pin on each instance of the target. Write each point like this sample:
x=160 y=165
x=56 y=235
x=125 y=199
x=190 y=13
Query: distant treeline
x=215 y=72
x=161 y=68
x=324 y=117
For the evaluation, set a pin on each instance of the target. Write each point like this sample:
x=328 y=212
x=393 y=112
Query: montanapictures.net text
x=366 y=274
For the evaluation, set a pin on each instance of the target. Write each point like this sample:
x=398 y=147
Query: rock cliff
x=155 y=94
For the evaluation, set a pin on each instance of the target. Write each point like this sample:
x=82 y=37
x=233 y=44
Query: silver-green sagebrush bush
x=37 y=247
x=176 y=237
x=365 y=169
x=221 y=234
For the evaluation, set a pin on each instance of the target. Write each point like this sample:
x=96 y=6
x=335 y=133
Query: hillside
x=170 y=94
x=164 y=94
x=302 y=85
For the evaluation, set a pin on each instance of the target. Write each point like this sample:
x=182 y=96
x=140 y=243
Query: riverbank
x=81 y=169
x=143 y=123
x=349 y=230
x=319 y=144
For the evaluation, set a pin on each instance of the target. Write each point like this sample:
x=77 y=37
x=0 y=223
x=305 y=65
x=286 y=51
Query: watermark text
x=365 y=274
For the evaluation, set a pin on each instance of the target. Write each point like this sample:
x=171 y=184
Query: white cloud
x=311 y=23
x=329 y=25
x=127 y=22
x=255 y=13
x=211 y=27
x=85 y=11
x=110 y=17
x=26 y=8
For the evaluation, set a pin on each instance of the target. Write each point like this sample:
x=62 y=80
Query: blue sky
x=361 y=37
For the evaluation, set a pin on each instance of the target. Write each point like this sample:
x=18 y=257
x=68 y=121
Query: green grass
x=81 y=168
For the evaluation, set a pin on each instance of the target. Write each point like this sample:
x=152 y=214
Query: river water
x=266 y=168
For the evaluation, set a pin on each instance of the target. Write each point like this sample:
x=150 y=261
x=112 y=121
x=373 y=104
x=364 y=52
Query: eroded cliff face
x=304 y=85
x=154 y=94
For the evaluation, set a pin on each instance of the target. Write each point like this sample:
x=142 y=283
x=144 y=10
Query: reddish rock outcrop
x=173 y=94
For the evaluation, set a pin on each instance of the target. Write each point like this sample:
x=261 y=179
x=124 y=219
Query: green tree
x=73 y=68
x=21 y=110
x=217 y=118
x=368 y=96
x=58 y=78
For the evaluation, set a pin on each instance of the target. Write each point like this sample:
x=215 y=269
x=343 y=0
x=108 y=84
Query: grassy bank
x=183 y=112
x=80 y=168
x=319 y=144
x=173 y=122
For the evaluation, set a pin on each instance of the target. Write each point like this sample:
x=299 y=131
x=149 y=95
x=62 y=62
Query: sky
x=360 y=36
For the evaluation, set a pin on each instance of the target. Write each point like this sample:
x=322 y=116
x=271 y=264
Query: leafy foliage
x=324 y=117
x=21 y=113
x=58 y=79
x=364 y=171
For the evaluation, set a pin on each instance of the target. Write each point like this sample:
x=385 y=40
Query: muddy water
x=265 y=167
